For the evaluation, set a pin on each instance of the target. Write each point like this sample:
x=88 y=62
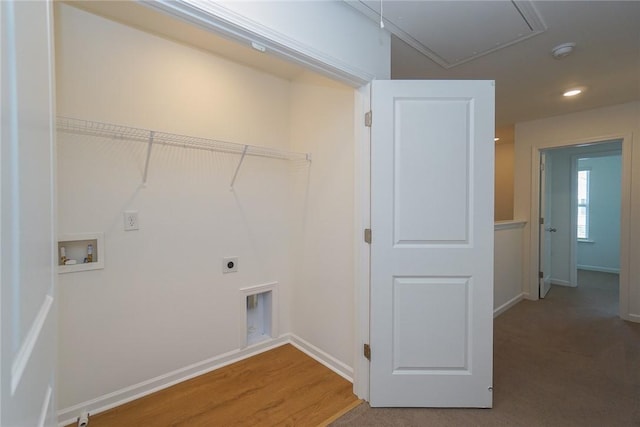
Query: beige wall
x=504 y=181
x=323 y=293
x=619 y=121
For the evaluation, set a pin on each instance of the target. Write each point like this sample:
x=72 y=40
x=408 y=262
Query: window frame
x=585 y=204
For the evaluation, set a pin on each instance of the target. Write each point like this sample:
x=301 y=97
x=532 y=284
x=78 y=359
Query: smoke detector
x=562 y=50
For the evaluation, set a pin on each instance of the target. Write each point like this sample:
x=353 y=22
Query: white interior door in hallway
x=27 y=228
x=432 y=163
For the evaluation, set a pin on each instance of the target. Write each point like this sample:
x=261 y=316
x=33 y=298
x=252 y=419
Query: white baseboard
x=69 y=415
x=632 y=318
x=119 y=397
x=562 y=282
x=507 y=305
x=598 y=268
x=326 y=359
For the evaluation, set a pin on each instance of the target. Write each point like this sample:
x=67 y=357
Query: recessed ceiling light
x=572 y=92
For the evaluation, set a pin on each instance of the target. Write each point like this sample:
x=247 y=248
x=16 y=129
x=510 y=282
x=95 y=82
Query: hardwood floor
x=281 y=387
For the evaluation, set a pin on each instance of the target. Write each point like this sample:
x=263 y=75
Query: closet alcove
x=161 y=309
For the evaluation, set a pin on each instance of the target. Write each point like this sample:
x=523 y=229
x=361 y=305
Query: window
x=583 y=204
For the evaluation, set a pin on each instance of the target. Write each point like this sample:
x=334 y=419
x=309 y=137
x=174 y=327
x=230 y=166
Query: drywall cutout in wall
x=259 y=317
x=259 y=308
x=80 y=252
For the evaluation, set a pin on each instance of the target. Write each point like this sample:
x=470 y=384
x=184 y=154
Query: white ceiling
x=478 y=39
x=529 y=81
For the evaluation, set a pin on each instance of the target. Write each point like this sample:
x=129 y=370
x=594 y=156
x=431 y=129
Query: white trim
x=45 y=407
x=509 y=225
x=632 y=318
x=26 y=349
x=108 y=401
x=534 y=231
x=362 y=211
x=625 y=231
x=507 y=305
x=559 y=282
x=573 y=221
x=599 y=268
x=322 y=357
x=3 y=110
x=219 y=19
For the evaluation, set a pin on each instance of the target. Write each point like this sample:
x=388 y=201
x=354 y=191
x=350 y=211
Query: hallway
x=567 y=360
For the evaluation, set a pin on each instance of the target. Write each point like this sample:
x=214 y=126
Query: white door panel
x=432 y=248
x=415 y=221
x=27 y=294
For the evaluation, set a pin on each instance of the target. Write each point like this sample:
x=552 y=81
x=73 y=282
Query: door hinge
x=540 y=274
x=367 y=235
x=541 y=221
x=368 y=119
x=367 y=352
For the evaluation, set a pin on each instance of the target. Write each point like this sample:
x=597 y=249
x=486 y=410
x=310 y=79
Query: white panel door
x=27 y=230
x=545 y=231
x=432 y=160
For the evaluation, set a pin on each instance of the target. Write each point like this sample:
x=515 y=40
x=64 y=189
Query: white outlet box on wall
x=131 y=221
x=230 y=264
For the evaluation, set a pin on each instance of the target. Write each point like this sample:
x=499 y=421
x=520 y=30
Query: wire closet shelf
x=151 y=137
x=86 y=127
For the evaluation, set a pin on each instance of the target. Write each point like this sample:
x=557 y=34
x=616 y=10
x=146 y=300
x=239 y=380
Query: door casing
x=531 y=282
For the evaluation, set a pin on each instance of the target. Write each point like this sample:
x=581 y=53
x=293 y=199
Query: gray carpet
x=567 y=360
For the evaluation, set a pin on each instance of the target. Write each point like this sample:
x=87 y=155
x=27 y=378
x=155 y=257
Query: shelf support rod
x=146 y=163
x=235 y=175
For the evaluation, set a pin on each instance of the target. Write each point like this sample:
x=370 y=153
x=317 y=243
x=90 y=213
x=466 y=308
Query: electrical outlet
x=230 y=264
x=131 y=220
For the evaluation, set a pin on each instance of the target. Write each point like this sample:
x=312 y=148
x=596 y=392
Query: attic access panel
x=454 y=32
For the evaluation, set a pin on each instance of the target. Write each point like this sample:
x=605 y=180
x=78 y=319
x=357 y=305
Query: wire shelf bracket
x=151 y=137
x=146 y=163
x=235 y=175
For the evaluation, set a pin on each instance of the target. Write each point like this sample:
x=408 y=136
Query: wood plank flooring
x=281 y=387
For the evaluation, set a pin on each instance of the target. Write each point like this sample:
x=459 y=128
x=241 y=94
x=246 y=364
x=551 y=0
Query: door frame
x=545 y=179
x=362 y=255
x=625 y=213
